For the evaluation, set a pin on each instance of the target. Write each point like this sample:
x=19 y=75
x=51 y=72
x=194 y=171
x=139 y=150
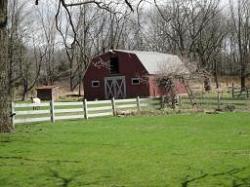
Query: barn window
x=135 y=81
x=114 y=65
x=95 y=84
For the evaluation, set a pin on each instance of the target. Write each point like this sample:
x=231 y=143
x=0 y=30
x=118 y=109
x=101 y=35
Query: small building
x=47 y=93
x=128 y=74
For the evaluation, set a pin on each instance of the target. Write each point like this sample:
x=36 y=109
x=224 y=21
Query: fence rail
x=54 y=111
x=237 y=92
x=216 y=103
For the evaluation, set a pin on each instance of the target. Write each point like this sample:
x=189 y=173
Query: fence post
x=218 y=99
x=233 y=90
x=13 y=114
x=113 y=106
x=138 y=103
x=202 y=97
x=162 y=102
x=179 y=100
x=248 y=104
x=85 y=107
x=52 y=111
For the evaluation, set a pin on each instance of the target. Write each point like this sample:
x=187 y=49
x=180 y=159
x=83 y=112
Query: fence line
x=217 y=103
x=237 y=92
x=54 y=111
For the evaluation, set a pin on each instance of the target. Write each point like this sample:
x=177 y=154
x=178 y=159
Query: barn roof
x=158 y=63
x=46 y=88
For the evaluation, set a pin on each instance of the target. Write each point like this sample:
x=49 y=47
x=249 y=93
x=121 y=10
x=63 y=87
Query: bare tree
x=17 y=32
x=209 y=45
x=193 y=29
x=240 y=15
x=70 y=50
x=48 y=27
x=29 y=71
x=91 y=33
x=79 y=53
x=5 y=121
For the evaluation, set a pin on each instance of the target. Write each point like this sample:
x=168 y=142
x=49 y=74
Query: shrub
x=229 y=108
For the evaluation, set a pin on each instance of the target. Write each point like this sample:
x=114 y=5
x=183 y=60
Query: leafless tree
x=192 y=29
x=210 y=45
x=17 y=32
x=14 y=44
x=29 y=71
x=5 y=121
x=79 y=53
x=47 y=25
x=240 y=15
x=181 y=72
x=24 y=48
x=87 y=32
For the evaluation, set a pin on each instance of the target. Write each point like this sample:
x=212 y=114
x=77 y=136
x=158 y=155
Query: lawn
x=179 y=150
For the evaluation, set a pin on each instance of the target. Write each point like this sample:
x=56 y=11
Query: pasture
x=177 y=150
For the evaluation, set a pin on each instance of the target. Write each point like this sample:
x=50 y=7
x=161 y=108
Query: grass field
x=179 y=150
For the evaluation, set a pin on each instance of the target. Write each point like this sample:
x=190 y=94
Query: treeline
x=52 y=42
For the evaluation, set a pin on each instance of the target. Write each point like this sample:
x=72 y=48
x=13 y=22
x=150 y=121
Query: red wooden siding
x=130 y=67
x=154 y=89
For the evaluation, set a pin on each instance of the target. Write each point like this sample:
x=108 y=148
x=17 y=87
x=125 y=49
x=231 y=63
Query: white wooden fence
x=54 y=111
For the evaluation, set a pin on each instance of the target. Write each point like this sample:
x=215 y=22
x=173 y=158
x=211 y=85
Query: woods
x=43 y=42
x=240 y=14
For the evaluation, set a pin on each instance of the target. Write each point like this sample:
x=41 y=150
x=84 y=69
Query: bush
x=229 y=108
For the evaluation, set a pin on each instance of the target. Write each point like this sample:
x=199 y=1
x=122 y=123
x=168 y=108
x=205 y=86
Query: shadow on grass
x=36 y=160
x=236 y=180
x=63 y=181
x=5 y=139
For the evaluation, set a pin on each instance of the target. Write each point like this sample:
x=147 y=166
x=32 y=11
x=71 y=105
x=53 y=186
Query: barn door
x=115 y=87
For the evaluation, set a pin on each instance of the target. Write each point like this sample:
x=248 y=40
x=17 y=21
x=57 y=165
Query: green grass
x=179 y=150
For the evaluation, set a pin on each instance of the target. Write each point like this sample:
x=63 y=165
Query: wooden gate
x=115 y=87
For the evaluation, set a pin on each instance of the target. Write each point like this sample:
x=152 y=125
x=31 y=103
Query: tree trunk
x=243 y=82
x=79 y=88
x=25 y=90
x=243 y=78
x=71 y=77
x=216 y=74
x=5 y=121
x=216 y=80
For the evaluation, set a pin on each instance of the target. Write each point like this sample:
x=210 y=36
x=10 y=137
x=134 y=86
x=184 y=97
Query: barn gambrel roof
x=158 y=63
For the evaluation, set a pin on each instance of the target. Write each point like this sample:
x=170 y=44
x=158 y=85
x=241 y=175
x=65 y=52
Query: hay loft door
x=115 y=87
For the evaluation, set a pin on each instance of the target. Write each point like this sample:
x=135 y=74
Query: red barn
x=128 y=74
